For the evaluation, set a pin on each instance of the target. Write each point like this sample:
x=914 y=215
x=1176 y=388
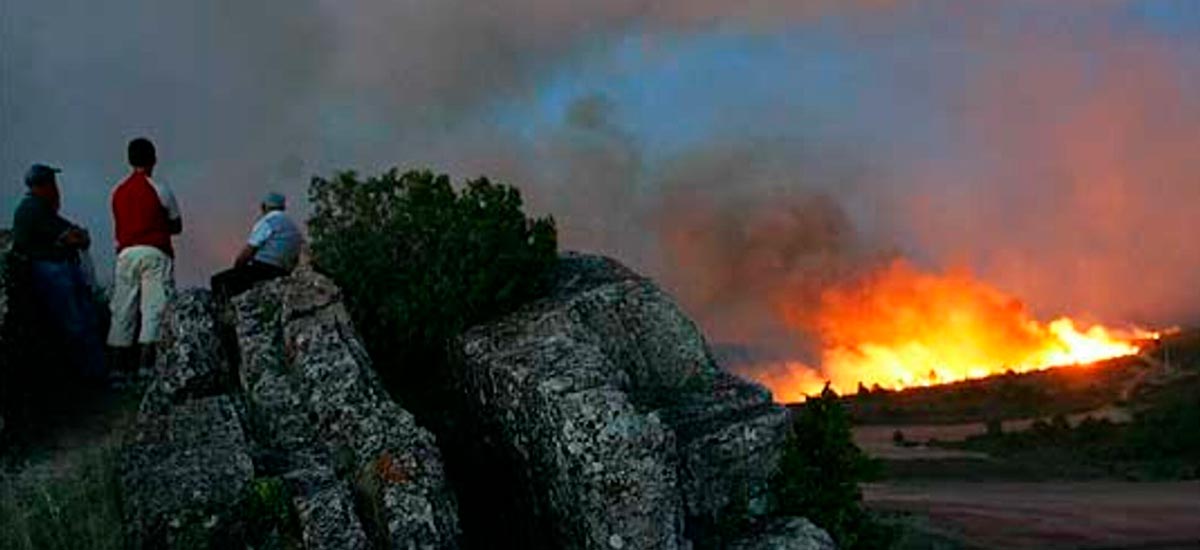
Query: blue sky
x=826 y=77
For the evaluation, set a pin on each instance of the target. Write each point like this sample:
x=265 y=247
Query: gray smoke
x=242 y=97
x=1057 y=159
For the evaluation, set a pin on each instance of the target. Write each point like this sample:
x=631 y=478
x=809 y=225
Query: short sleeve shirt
x=143 y=213
x=167 y=198
x=277 y=240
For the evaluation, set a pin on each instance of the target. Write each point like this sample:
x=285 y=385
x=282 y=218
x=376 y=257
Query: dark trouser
x=69 y=311
x=231 y=282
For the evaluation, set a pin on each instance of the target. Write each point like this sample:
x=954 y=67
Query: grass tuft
x=70 y=502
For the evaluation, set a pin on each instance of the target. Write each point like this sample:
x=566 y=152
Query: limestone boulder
x=606 y=400
x=787 y=533
x=310 y=388
x=183 y=474
x=191 y=362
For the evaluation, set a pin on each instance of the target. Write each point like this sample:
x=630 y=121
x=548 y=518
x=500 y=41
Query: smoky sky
x=737 y=151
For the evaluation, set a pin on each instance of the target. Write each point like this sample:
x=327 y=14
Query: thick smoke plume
x=1052 y=148
x=243 y=97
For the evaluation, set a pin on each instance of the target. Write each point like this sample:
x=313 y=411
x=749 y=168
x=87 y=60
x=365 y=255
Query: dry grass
x=67 y=503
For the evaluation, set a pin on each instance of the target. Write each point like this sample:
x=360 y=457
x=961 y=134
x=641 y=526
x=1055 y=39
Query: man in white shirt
x=271 y=251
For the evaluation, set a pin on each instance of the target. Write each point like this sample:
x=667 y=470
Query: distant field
x=1050 y=495
x=877 y=439
x=1092 y=515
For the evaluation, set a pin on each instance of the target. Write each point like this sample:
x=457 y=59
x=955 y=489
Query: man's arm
x=35 y=227
x=258 y=237
x=75 y=237
x=167 y=198
x=245 y=255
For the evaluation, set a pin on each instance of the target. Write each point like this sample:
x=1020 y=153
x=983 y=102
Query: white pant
x=143 y=285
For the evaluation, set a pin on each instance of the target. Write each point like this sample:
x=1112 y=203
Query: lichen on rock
x=183 y=471
x=310 y=386
x=597 y=412
x=606 y=399
x=191 y=362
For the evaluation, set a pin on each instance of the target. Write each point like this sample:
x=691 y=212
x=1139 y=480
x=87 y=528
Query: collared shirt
x=38 y=231
x=276 y=240
x=143 y=212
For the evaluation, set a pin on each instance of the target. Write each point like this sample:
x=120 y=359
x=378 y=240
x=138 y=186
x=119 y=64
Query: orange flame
x=900 y=328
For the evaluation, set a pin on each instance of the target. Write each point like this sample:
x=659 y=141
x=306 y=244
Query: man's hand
x=76 y=237
x=245 y=256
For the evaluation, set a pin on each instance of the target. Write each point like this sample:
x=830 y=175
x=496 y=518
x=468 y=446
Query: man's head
x=273 y=201
x=142 y=154
x=40 y=176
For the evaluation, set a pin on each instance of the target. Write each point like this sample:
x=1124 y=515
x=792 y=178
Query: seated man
x=271 y=251
x=61 y=292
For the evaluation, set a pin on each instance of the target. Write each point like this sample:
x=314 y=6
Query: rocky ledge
x=596 y=417
x=606 y=404
x=287 y=440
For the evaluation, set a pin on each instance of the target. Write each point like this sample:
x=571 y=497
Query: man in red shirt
x=145 y=216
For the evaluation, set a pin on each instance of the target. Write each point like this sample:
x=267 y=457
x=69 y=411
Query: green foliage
x=420 y=261
x=1169 y=429
x=820 y=472
x=74 y=504
x=266 y=509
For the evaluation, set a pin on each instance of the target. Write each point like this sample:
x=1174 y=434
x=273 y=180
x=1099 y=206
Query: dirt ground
x=876 y=440
x=1029 y=515
x=1050 y=515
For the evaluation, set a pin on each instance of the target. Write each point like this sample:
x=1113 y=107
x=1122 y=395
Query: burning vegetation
x=898 y=327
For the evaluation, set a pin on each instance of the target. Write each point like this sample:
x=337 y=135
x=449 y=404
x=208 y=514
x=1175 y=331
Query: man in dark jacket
x=53 y=246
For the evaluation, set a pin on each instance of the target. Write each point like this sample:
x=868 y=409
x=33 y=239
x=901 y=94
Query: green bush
x=1168 y=429
x=267 y=515
x=419 y=261
x=820 y=472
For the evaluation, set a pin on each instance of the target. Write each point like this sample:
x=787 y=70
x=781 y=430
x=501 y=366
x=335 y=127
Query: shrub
x=994 y=427
x=820 y=472
x=1167 y=430
x=419 y=261
x=267 y=514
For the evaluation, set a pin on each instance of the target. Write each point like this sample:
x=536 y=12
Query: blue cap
x=274 y=200
x=40 y=173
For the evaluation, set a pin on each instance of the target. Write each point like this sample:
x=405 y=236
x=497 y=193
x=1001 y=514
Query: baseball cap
x=39 y=173
x=274 y=200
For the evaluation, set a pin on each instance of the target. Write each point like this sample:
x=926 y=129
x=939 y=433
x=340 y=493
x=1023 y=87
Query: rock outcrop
x=605 y=398
x=312 y=391
x=786 y=534
x=183 y=471
x=286 y=397
x=192 y=363
x=186 y=466
x=596 y=416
